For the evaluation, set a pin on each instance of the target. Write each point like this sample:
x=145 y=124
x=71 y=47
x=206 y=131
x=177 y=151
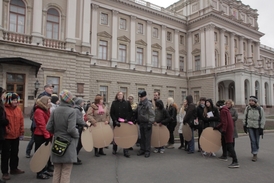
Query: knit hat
x=78 y=101
x=220 y=103
x=12 y=96
x=142 y=93
x=254 y=98
x=54 y=98
x=66 y=96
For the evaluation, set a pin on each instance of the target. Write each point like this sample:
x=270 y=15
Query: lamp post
x=36 y=86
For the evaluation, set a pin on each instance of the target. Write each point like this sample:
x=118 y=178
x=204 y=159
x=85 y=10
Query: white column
x=189 y=54
x=71 y=21
x=114 y=47
x=271 y=102
x=37 y=18
x=261 y=96
x=86 y=23
x=132 y=41
x=148 y=60
x=210 y=47
x=163 y=49
x=239 y=89
x=241 y=47
x=222 y=47
x=257 y=55
x=94 y=26
x=202 y=31
x=176 y=42
x=1 y=19
x=232 y=48
x=249 y=54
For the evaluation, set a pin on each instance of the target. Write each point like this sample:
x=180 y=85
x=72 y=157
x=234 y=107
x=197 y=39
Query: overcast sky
x=266 y=15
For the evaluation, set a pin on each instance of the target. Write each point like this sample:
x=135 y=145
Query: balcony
x=56 y=44
x=16 y=37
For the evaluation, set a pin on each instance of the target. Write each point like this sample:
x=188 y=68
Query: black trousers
x=39 y=140
x=228 y=147
x=171 y=128
x=9 y=155
x=182 y=140
x=145 y=137
x=79 y=145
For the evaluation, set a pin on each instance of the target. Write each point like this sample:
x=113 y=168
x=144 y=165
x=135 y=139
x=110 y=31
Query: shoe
x=42 y=176
x=147 y=154
x=6 y=176
x=212 y=154
x=50 y=169
x=114 y=152
x=140 y=153
x=137 y=145
x=16 y=171
x=77 y=163
x=170 y=146
x=234 y=165
x=156 y=151
x=254 y=158
x=181 y=147
x=50 y=174
x=162 y=151
x=102 y=153
x=126 y=155
x=97 y=154
x=131 y=149
x=223 y=158
x=78 y=160
x=28 y=156
x=204 y=153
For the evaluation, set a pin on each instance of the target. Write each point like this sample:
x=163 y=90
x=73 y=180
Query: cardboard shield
x=87 y=140
x=126 y=135
x=210 y=140
x=159 y=136
x=40 y=158
x=187 y=132
x=102 y=135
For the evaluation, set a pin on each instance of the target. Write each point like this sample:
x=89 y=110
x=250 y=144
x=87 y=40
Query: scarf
x=100 y=109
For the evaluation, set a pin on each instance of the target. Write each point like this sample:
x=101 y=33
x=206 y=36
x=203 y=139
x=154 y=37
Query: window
x=226 y=40
x=55 y=81
x=235 y=43
x=155 y=32
x=168 y=36
x=80 y=87
x=215 y=37
x=17 y=16
x=196 y=96
x=139 y=56
x=103 y=47
x=104 y=92
x=197 y=63
x=104 y=18
x=169 y=61
x=122 y=52
x=52 y=24
x=183 y=94
x=155 y=60
x=140 y=28
x=123 y=24
x=171 y=93
x=124 y=90
x=182 y=64
x=182 y=39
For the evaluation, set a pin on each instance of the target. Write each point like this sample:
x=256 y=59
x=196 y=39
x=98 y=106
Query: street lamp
x=36 y=86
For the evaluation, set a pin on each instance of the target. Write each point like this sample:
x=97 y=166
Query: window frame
x=121 y=25
x=169 y=61
x=101 y=56
x=169 y=36
x=101 y=92
x=122 y=53
x=17 y=15
x=153 y=57
x=182 y=63
x=155 y=32
x=102 y=21
x=52 y=24
x=142 y=56
x=140 y=28
x=197 y=62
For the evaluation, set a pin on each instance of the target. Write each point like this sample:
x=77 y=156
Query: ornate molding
x=133 y=17
x=104 y=34
x=170 y=49
x=196 y=51
x=115 y=12
x=123 y=38
x=183 y=52
x=141 y=42
x=156 y=45
x=95 y=6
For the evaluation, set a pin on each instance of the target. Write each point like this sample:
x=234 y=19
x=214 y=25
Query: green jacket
x=253 y=117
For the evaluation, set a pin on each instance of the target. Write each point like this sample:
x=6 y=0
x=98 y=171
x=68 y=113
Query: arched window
x=52 y=24
x=17 y=16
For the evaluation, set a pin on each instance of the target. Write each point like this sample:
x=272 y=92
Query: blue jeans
x=191 y=144
x=30 y=144
x=254 y=139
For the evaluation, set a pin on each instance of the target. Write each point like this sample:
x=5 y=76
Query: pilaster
x=148 y=32
x=163 y=49
x=132 y=41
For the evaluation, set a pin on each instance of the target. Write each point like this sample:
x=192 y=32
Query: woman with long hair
x=172 y=109
x=180 y=119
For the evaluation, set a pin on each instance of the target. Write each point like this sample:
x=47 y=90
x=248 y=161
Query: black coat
x=172 y=113
x=191 y=111
x=120 y=109
x=3 y=123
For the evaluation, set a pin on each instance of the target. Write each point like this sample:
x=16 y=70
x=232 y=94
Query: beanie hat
x=220 y=103
x=142 y=93
x=66 y=96
x=78 y=101
x=254 y=98
x=54 y=98
x=12 y=96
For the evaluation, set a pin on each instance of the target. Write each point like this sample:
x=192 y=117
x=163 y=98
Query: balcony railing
x=16 y=37
x=51 y=43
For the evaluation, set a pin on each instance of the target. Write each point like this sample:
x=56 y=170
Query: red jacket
x=227 y=124
x=15 y=127
x=41 y=118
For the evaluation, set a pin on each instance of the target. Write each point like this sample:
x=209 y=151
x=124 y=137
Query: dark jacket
x=172 y=113
x=145 y=113
x=200 y=115
x=234 y=116
x=191 y=111
x=80 y=123
x=3 y=123
x=212 y=121
x=120 y=109
x=161 y=114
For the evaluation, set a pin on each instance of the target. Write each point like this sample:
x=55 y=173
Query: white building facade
x=208 y=48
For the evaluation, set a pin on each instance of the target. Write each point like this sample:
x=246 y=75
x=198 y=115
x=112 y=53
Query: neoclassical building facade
x=207 y=48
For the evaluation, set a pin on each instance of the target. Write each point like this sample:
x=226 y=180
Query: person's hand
x=47 y=141
x=106 y=122
x=117 y=123
x=85 y=126
x=155 y=123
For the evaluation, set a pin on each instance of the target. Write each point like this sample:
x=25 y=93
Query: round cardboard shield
x=40 y=158
x=87 y=140
x=187 y=132
x=159 y=136
x=102 y=135
x=126 y=135
x=210 y=140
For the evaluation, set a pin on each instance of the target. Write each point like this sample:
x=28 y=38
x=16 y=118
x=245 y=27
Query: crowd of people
x=64 y=117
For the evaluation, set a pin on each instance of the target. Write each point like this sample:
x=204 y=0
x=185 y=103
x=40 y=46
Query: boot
x=254 y=158
x=126 y=154
x=101 y=152
x=96 y=153
x=181 y=140
x=114 y=148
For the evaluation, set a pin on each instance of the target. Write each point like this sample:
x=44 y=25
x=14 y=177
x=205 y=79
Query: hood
x=211 y=102
x=189 y=99
x=224 y=108
x=159 y=104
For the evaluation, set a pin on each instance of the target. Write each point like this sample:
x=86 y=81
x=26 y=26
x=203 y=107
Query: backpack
x=261 y=130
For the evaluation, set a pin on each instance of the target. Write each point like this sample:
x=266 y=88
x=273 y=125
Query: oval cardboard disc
x=126 y=135
x=210 y=140
x=40 y=158
x=159 y=136
x=87 y=140
x=187 y=132
x=102 y=135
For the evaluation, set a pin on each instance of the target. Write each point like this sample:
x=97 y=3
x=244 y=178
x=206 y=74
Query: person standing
x=234 y=114
x=226 y=127
x=145 y=118
x=62 y=124
x=120 y=108
x=200 y=112
x=171 y=108
x=54 y=102
x=156 y=96
x=14 y=131
x=254 y=122
x=132 y=102
x=180 y=129
x=98 y=112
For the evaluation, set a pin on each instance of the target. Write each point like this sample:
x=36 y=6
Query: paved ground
x=174 y=166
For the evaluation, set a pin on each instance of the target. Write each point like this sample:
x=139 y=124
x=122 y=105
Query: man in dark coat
x=120 y=108
x=200 y=113
x=227 y=128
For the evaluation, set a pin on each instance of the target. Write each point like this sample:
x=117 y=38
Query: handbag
x=60 y=146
